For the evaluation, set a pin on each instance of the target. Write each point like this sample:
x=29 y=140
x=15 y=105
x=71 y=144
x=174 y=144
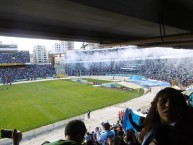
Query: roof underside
x=146 y=23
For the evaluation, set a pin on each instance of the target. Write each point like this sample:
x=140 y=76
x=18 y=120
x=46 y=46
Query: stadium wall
x=32 y=134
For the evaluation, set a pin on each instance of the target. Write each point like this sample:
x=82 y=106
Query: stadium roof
x=146 y=23
x=5 y=47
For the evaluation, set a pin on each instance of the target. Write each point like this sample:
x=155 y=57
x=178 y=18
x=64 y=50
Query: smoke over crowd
x=126 y=53
x=155 y=63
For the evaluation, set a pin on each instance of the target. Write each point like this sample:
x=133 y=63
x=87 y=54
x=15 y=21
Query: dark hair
x=75 y=127
x=129 y=134
x=152 y=118
x=130 y=131
x=106 y=126
x=89 y=142
x=117 y=141
x=120 y=132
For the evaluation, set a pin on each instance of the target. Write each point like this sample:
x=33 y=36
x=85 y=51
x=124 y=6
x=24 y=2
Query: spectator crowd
x=178 y=69
x=14 y=66
x=26 y=72
x=15 y=57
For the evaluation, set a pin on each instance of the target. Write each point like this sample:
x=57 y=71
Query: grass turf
x=31 y=105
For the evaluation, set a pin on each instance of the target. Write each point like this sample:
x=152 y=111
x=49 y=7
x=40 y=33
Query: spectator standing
x=88 y=114
x=17 y=136
x=87 y=137
x=96 y=135
x=130 y=137
x=116 y=141
x=108 y=134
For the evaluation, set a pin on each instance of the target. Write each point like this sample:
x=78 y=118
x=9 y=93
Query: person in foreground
x=169 y=120
x=74 y=134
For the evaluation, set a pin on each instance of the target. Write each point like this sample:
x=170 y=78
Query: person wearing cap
x=114 y=127
x=108 y=134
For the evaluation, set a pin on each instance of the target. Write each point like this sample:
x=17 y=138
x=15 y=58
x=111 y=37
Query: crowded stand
x=15 y=66
x=26 y=72
x=15 y=57
x=158 y=68
x=167 y=121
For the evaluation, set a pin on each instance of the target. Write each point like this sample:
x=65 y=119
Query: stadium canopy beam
x=184 y=40
x=104 y=21
x=174 y=44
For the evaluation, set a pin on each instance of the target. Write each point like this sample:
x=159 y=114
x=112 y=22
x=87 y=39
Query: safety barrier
x=32 y=134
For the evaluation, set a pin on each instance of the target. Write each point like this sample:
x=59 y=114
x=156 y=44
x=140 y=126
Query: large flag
x=190 y=100
x=135 y=116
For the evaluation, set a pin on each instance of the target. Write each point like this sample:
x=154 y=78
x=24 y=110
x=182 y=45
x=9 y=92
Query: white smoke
x=127 y=53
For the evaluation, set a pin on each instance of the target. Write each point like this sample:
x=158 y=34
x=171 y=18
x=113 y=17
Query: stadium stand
x=105 y=62
x=15 y=66
x=153 y=68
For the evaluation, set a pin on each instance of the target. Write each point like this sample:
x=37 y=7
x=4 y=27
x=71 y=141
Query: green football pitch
x=31 y=105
